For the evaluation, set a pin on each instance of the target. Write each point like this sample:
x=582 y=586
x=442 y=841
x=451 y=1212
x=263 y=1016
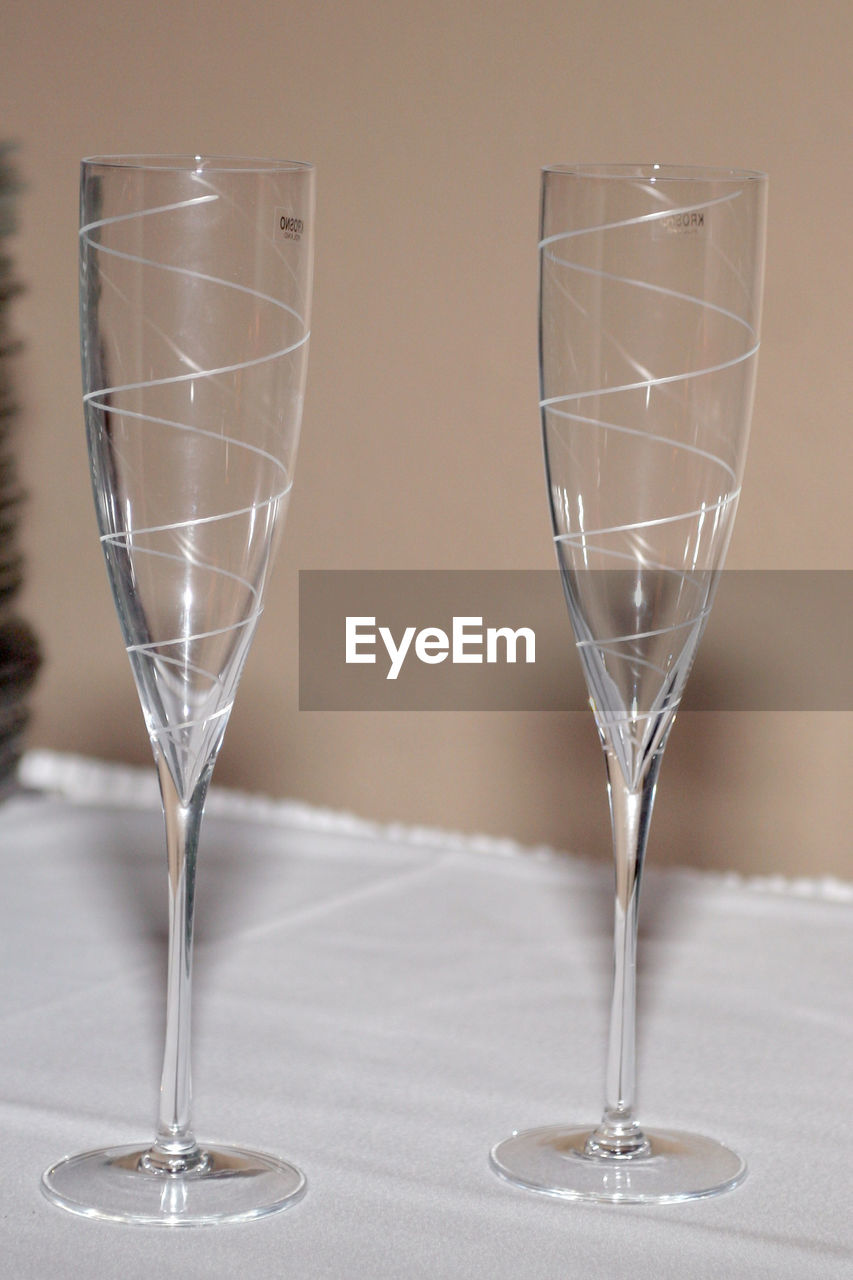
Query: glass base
x=230 y=1185
x=676 y=1166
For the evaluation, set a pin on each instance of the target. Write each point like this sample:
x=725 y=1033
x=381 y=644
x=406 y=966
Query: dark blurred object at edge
x=19 y=651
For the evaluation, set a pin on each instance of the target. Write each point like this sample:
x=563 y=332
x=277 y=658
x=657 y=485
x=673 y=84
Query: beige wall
x=428 y=122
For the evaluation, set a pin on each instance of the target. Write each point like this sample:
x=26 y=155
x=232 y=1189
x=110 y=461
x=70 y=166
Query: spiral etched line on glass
x=597 y=461
x=212 y=560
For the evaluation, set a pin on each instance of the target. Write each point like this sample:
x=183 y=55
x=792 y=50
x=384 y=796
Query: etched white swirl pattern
x=191 y=464
x=643 y=463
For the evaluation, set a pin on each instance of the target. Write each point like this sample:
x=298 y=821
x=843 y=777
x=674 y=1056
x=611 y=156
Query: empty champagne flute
x=650 y=299
x=195 y=291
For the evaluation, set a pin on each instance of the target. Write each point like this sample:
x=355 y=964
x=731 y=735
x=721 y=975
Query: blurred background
x=429 y=122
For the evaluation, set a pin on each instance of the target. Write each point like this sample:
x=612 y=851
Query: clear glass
x=650 y=299
x=195 y=290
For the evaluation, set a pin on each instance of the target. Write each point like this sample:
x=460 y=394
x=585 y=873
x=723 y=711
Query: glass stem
x=619 y=1134
x=175 y=1149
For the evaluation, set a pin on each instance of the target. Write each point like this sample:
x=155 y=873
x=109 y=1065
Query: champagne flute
x=650 y=297
x=195 y=289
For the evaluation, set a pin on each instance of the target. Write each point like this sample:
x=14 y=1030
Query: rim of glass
x=196 y=163
x=665 y=172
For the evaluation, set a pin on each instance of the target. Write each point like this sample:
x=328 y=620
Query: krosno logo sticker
x=288 y=226
x=682 y=223
x=468 y=642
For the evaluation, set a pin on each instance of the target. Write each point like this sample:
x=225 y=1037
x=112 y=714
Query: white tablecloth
x=380 y=1006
